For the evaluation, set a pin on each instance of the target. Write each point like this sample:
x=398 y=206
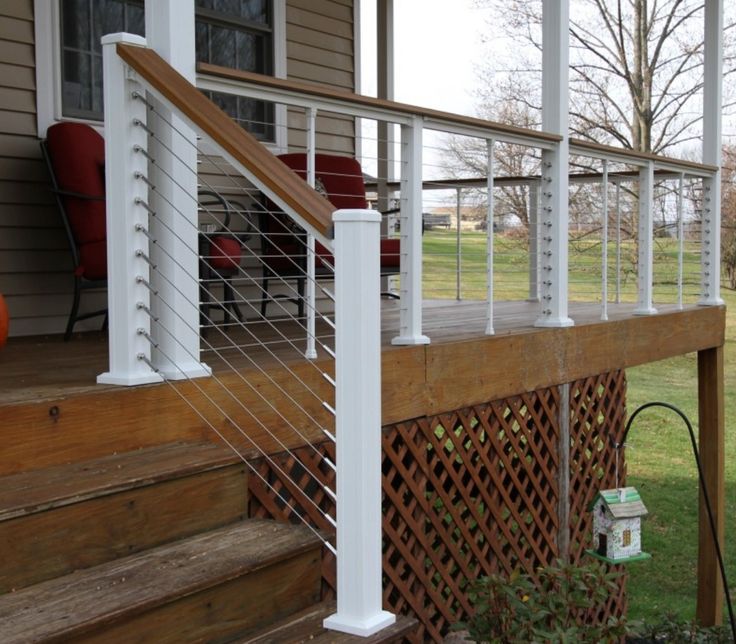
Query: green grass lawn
x=660 y=461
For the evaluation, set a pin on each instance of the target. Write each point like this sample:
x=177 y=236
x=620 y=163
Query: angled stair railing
x=262 y=396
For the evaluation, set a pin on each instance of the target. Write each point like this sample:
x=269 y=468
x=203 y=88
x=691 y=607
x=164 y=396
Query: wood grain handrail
x=600 y=149
x=275 y=176
x=322 y=91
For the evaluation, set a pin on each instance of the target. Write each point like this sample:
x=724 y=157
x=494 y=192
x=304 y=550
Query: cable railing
x=263 y=272
x=223 y=281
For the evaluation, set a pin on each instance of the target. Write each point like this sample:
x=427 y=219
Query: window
x=241 y=34
x=626 y=538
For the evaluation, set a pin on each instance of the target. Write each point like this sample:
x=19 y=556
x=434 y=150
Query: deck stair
x=306 y=627
x=152 y=545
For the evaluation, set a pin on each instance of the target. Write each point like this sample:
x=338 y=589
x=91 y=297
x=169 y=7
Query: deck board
x=44 y=367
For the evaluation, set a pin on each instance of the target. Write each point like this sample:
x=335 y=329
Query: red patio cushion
x=77 y=153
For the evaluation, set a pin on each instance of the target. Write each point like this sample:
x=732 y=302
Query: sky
x=436 y=52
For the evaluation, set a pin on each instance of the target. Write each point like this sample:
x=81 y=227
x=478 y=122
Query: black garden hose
x=701 y=478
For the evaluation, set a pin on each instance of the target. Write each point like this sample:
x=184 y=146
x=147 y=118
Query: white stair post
x=127 y=245
x=410 y=323
x=358 y=424
x=554 y=196
x=645 y=263
x=311 y=292
x=710 y=262
x=173 y=172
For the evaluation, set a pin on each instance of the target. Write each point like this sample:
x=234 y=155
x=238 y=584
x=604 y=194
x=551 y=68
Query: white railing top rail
x=303 y=94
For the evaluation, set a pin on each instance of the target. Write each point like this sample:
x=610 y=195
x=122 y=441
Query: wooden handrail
x=323 y=92
x=600 y=149
x=404 y=109
x=277 y=177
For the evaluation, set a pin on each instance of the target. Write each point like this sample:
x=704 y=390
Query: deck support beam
x=554 y=198
x=711 y=422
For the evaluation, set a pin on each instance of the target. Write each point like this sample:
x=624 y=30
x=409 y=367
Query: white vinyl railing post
x=489 y=235
x=173 y=172
x=604 y=242
x=410 y=321
x=458 y=244
x=618 y=241
x=646 y=241
x=358 y=424
x=680 y=239
x=127 y=219
x=534 y=241
x=554 y=197
x=710 y=262
x=311 y=292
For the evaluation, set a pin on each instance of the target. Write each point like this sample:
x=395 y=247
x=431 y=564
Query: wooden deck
x=44 y=368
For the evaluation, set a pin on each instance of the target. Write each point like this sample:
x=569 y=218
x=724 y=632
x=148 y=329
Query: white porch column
x=645 y=261
x=554 y=187
x=358 y=418
x=127 y=244
x=410 y=323
x=712 y=108
x=170 y=32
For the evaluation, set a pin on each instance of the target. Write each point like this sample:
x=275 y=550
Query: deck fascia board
x=417 y=381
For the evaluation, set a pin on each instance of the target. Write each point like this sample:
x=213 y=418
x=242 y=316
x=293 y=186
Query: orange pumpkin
x=3 y=321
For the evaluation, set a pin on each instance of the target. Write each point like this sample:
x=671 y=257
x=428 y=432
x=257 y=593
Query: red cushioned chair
x=75 y=156
x=283 y=244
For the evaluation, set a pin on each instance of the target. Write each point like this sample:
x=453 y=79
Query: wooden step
x=63 y=518
x=306 y=626
x=208 y=587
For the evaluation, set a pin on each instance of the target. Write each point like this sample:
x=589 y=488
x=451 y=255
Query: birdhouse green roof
x=622 y=503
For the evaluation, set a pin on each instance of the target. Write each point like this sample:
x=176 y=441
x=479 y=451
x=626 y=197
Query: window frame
x=47 y=28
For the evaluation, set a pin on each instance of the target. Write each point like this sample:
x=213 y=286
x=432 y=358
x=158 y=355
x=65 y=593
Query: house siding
x=35 y=262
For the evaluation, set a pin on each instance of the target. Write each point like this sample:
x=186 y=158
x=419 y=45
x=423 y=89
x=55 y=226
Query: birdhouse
x=617 y=525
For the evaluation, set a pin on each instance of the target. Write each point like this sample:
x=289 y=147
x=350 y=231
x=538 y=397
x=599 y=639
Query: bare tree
x=635 y=68
x=728 y=213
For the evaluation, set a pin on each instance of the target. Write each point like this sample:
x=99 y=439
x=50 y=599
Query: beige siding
x=35 y=263
x=319 y=49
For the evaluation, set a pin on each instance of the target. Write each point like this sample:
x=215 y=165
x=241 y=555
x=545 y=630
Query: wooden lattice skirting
x=470 y=492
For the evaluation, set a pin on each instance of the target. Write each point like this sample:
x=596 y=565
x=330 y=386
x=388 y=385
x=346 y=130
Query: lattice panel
x=597 y=421
x=288 y=488
x=466 y=493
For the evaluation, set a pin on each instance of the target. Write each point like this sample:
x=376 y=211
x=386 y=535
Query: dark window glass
x=231 y=33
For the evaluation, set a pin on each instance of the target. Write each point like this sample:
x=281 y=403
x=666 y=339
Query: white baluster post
x=127 y=270
x=554 y=197
x=534 y=251
x=604 y=242
x=410 y=331
x=489 y=236
x=311 y=294
x=358 y=424
x=680 y=239
x=646 y=241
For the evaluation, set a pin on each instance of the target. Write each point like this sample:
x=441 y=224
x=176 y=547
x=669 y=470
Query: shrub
x=557 y=605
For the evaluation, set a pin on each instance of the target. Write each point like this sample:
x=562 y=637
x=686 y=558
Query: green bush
x=674 y=630
x=557 y=605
